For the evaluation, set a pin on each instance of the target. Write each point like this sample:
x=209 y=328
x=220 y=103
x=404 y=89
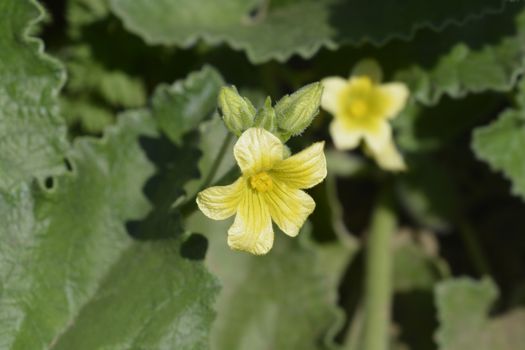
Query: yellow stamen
x=358 y=108
x=261 y=182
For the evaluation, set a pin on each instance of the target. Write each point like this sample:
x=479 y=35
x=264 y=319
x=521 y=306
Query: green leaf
x=463 y=309
x=279 y=301
x=94 y=90
x=278 y=29
x=92 y=117
x=466 y=68
x=417 y=264
x=32 y=134
x=71 y=275
x=87 y=75
x=501 y=145
x=81 y=13
x=182 y=106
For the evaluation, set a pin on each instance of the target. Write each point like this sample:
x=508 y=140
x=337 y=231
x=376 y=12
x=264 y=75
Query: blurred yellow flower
x=362 y=108
x=270 y=188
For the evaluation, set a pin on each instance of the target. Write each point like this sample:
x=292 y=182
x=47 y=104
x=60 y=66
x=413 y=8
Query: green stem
x=473 y=248
x=190 y=205
x=217 y=163
x=378 y=282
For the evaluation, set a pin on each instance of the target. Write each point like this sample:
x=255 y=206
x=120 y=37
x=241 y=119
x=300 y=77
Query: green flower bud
x=296 y=112
x=265 y=117
x=237 y=112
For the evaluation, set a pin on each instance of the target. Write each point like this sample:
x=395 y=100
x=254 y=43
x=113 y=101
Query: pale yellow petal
x=220 y=202
x=389 y=158
x=252 y=229
x=332 y=87
x=377 y=136
x=257 y=150
x=395 y=97
x=304 y=169
x=343 y=137
x=289 y=207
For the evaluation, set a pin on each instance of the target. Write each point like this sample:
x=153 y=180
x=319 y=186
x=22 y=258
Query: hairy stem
x=474 y=249
x=378 y=276
x=217 y=162
x=190 y=205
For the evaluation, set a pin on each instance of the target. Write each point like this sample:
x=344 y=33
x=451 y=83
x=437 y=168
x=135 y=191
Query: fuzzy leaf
x=501 y=145
x=92 y=117
x=181 y=107
x=87 y=75
x=265 y=295
x=467 y=69
x=463 y=308
x=32 y=134
x=278 y=29
x=71 y=275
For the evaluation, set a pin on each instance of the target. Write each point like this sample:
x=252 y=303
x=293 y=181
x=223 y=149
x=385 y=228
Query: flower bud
x=265 y=117
x=295 y=112
x=237 y=112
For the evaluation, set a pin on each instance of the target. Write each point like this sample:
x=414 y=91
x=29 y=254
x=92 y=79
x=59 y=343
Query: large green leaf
x=278 y=29
x=32 y=134
x=502 y=142
x=71 y=275
x=81 y=13
x=463 y=308
x=73 y=278
x=473 y=67
x=182 y=106
x=87 y=75
x=284 y=300
x=93 y=90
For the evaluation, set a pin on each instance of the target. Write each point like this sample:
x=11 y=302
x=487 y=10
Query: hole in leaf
x=68 y=165
x=195 y=247
x=49 y=183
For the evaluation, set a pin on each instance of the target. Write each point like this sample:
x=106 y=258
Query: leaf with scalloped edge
x=263 y=296
x=501 y=144
x=73 y=278
x=32 y=134
x=464 y=69
x=279 y=29
x=183 y=105
x=93 y=90
x=463 y=311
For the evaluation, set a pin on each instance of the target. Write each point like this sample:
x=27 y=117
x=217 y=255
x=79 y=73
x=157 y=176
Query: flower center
x=261 y=182
x=358 y=108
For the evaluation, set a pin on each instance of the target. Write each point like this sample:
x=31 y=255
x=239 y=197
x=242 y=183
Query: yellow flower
x=270 y=188
x=362 y=108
